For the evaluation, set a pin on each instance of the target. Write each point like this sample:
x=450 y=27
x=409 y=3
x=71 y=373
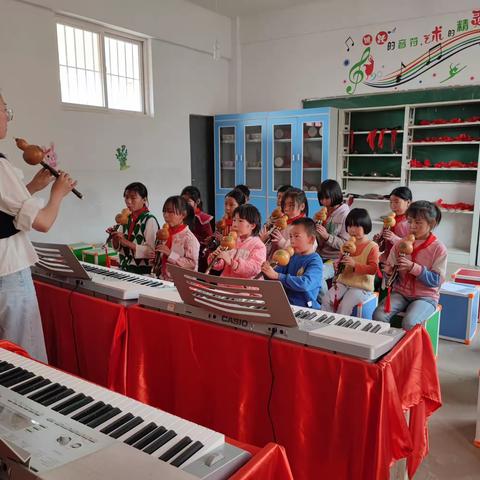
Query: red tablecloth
x=79 y=331
x=92 y=330
x=336 y=416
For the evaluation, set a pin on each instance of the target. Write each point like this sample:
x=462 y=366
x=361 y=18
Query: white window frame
x=145 y=68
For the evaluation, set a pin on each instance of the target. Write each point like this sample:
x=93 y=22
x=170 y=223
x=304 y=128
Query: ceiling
x=241 y=8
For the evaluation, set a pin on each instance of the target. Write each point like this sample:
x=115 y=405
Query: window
x=100 y=68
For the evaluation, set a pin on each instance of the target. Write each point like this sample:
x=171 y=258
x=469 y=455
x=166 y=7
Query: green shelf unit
x=355 y=165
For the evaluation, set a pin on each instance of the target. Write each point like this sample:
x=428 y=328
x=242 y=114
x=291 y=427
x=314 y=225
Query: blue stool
x=367 y=307
x=460 y=311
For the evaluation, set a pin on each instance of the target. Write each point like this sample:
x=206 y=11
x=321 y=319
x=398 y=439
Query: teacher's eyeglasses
x=9 y=112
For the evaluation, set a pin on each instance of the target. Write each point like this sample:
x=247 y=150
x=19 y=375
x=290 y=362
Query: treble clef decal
x=356 y=74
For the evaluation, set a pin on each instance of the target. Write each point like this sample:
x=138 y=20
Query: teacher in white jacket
x=20 y=320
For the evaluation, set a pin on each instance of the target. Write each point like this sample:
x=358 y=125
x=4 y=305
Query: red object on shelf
x=451 y=164
x=463 y=137
x=473 y=119
x=371 y=139
x=455 y=206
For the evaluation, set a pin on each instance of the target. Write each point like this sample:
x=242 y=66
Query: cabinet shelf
x=466 y=212
x=374 y=200
x=313 y=169
x=433 y=169
x=371 y=154
x=366 y=132
x=391 y=179
x=283 y=140
x=445 y=125
x=442 y=181
x=429 y=144
x=313 y=139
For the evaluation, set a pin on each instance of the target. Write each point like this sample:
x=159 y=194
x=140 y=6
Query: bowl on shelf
x=254 y=137
x=312 y=132
x=278 y=133
x=279 y=162
x=228 y=137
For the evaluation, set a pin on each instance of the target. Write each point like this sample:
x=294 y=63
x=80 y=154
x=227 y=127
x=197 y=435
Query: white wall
x=185 y=81
x=297 y=53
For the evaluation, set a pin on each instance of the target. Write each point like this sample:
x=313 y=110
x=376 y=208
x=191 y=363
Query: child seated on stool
x=355 y=284
x=421 y=274
x=302 y=277
x=246 y=259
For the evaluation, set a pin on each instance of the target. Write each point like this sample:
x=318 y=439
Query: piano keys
x=365 y=339
x=58 y=420
x=108 y=283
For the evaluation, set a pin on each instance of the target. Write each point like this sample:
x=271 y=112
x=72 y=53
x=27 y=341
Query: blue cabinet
x=269 y=149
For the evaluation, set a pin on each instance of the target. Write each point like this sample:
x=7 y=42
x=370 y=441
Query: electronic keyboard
x=365 y=339
x=51 y=421
x=106 y=282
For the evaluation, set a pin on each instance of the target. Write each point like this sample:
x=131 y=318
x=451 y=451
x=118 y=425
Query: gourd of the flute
x=282 y=222
x=233 y=234
x=405 y=246
x=389 y=221
x=163 y=233
x=321 y=215
x=277 y=213
x=32 y=154
x=290 y=251
x=349 y=247
x=122 y=217
x=228 y=242
x=221 y=224
x=281 y=257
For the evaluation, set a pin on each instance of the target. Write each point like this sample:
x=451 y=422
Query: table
x=338 y=417
x=83 y=336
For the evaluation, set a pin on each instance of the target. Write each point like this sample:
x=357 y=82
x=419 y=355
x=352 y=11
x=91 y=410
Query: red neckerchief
x=172 y=231
x=133 y=221
x=228 y=226
x=398 y=219
x=430 y=239
x=290 y=220
x=198 y=211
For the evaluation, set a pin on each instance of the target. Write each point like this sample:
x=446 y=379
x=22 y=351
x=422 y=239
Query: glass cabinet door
x=253 y=157
x=282 y=155
x=312 y=153
x=227 y=156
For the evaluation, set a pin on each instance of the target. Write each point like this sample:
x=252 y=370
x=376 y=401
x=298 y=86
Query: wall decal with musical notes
x=390 y=58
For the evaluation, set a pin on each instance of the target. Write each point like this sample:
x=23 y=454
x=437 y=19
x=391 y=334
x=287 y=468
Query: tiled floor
x=452 y=428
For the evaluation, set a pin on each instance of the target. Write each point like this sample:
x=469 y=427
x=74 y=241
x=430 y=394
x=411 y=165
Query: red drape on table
x=269 y=462
x=99 y=334
x=337 y=417
x=70 y=318
x=14 y=348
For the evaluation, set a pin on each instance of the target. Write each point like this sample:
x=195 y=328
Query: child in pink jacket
x=245 y=260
